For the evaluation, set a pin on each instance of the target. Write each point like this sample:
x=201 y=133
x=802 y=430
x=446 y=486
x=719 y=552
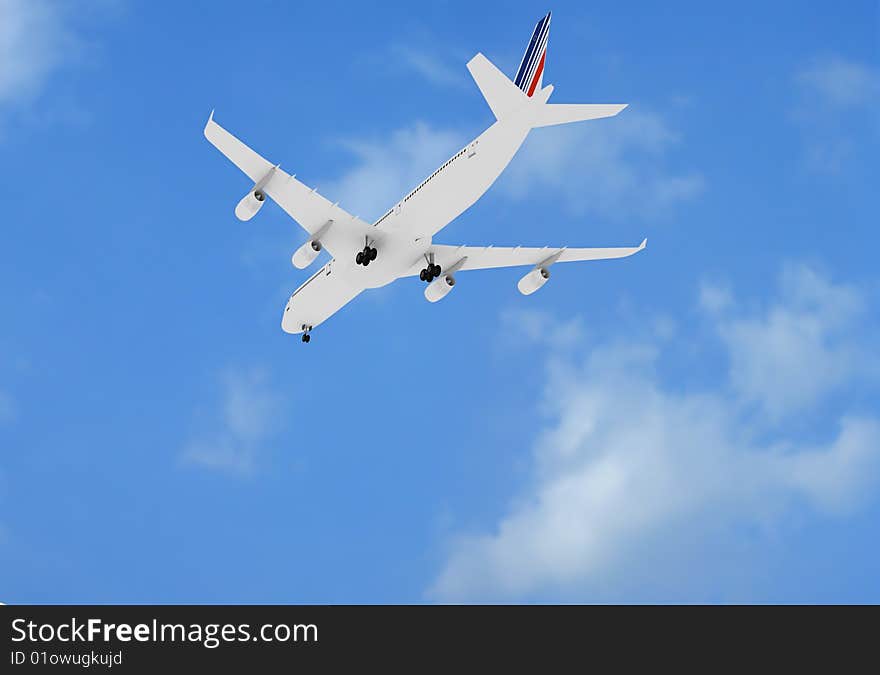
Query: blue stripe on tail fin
x=532 y=62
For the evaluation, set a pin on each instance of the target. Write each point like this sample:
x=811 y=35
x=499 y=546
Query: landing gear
x=366 y=256
x=430 y=273
x=307 y=333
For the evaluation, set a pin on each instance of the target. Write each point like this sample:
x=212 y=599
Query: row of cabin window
x=430 y=177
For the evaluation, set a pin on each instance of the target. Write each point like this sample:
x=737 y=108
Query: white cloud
x=387 y=169
x=35 y=39
x=430 y=66
x=232 y=438
x=841 y=83
x=632 y=473
x=714 y=298
x=801 y=349
x=536 y=326
x=614 y=167
x=837 y=111
x=828 y=154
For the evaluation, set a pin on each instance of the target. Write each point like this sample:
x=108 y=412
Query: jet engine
x=305 y=255
x=532 y=281
x=249 y=205
x=439 y=288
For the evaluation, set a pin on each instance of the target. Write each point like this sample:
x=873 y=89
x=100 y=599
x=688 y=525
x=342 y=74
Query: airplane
x=400 y=243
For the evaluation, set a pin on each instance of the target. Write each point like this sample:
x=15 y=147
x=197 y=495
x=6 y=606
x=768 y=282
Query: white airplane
x=399 y=244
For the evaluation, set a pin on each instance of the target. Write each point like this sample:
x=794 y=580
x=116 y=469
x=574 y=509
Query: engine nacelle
x=439 y=288
x=249 y=205
x=305 y=255
x=532 y=281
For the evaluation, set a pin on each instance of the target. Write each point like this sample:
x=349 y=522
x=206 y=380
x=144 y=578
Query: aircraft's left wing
x=302 y=203
x=488 y=257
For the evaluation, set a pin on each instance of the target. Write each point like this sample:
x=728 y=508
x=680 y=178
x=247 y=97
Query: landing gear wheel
x=435 y=271
x=366 y=260
x=306 y=337
x=359 y=258
x=422 y=275
x=373 y=253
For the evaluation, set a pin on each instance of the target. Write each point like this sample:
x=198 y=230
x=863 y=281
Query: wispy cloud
x=614 y=167
x=35 y=40
x=532 y=325
x=232 y=437
x=807 y=346
x=715 y=298
x=841 y=83
x=39 y=41
x=837 y=110
x=632 y=474
x=386 y=169
x=432 y=66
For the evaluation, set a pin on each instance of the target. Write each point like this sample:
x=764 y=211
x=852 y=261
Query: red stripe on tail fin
x=537 y=74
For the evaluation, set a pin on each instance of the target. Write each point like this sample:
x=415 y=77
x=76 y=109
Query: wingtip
x=207 y=131
x=643 y=244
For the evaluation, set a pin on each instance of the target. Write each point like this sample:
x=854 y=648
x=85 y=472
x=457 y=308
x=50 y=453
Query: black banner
x=146 y=638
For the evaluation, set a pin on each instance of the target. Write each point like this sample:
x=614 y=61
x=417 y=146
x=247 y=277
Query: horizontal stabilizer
x=564 y=113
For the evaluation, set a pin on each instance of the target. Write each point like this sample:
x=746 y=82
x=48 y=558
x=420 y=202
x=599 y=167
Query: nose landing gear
x=307 y=333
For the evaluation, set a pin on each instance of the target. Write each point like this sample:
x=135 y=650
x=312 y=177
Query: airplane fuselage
x=403 y=235
x=400 y=243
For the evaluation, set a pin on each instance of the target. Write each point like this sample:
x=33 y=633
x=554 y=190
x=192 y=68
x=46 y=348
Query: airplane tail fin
x=502 y=95
x=505 y=96
x=530 y=73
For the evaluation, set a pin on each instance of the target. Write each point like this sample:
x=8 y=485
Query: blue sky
x=700 y=422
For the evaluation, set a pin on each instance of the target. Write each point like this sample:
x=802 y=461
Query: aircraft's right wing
x=489 y=257
x=302 y=203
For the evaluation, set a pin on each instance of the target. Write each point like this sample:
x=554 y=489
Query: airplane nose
x=289 y=322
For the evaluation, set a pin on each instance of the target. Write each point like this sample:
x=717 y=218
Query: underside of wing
x=317 y=215
x=489 y=257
